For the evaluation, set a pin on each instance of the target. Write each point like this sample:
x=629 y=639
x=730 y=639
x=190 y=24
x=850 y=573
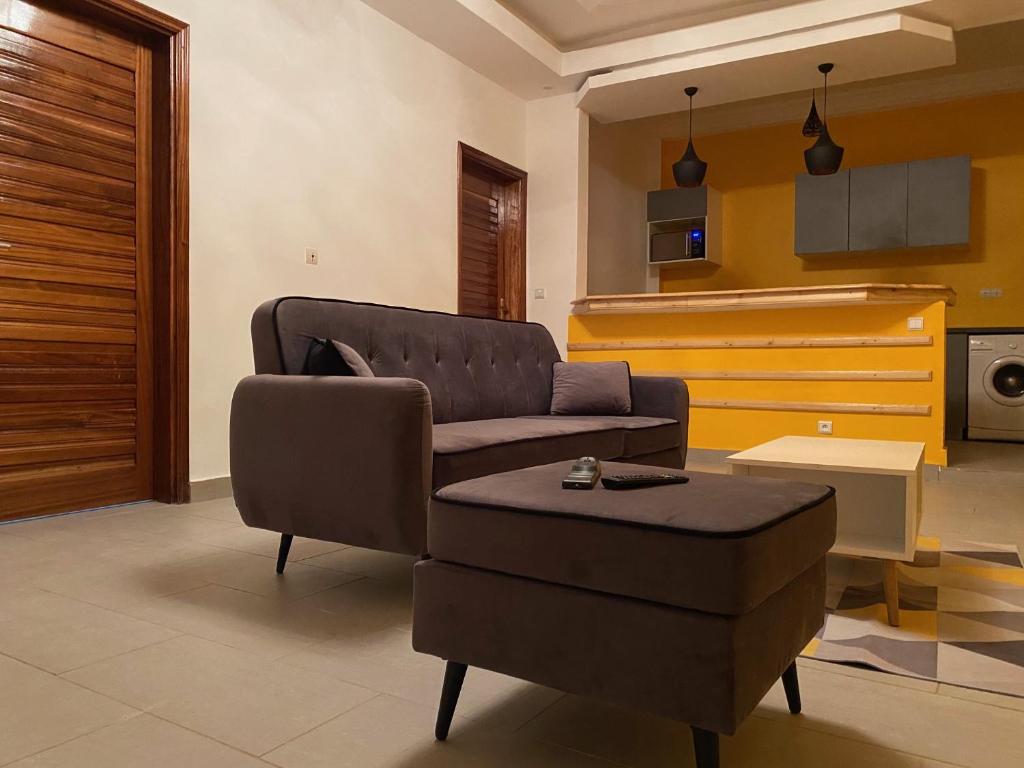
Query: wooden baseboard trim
x=879 y=409
x=793 y=375
x=758 y=343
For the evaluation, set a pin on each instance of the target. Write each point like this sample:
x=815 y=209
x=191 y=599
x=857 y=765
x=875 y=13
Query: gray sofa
x=353 y=459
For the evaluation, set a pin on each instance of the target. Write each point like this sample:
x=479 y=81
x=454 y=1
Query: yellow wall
x=755 y=171
x=725 y=429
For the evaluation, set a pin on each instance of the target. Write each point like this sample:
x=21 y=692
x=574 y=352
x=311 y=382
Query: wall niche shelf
x=684 y=226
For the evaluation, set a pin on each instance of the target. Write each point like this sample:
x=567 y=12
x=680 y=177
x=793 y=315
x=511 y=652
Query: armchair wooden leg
x=792 y=686
x=454 y=674
x=282 y=552
x=705 y=747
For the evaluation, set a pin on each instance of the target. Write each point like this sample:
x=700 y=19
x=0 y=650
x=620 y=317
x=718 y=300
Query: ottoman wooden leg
x=454 y=674
x=891 y=585
x=705 y=747
x=792 y=686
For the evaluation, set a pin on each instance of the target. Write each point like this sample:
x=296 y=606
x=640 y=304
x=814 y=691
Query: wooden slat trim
x=882 y=409
x=793 y=375
x=767 y=298
x=778 y=342
x=65 y=32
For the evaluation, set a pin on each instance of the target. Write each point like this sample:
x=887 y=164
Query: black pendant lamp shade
x=689 y=170
x=825 y=157
x=812 y=125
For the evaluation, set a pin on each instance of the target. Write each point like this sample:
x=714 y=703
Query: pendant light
x=812 y=125
x=689 y=170
x=825 y=157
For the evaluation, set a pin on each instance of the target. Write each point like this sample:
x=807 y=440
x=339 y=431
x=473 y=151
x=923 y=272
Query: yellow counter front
x=761 y=364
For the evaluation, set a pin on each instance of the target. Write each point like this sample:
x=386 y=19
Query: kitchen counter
x=766 y=298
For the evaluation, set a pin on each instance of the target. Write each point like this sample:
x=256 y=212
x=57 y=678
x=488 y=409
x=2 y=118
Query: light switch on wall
x=538 y=293
x=312 y=256
x=915 y=323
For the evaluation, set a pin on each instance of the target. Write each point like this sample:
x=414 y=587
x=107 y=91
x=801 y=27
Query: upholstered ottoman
x=688 y=601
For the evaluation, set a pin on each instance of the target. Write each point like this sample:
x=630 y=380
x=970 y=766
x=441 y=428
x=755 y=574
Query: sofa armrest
x=666 y=398
x=339 y=458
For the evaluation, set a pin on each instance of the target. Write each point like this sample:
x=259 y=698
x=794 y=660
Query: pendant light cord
x=824 y=111
x=690 y=111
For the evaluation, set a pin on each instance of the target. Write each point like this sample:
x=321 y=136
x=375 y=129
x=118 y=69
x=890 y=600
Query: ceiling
x=626 y=59
x=572 y=24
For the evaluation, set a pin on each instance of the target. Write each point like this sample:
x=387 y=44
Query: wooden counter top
x=766 y=298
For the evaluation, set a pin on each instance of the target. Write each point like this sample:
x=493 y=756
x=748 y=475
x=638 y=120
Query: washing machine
x=995 y=388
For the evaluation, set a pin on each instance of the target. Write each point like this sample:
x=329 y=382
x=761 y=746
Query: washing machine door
x=1004 y=380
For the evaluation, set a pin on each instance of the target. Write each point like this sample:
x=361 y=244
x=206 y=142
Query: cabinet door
x=939 y=210
x=822 y=213
x=878 y=207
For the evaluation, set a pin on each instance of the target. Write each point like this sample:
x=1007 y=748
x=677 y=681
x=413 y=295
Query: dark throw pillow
x=591 y=389
x=352 y=359
x=326 y=357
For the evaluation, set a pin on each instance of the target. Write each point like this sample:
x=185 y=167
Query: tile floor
x=161 y=636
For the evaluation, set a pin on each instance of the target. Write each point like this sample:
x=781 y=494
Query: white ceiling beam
x=726 y=32
x=863 y=49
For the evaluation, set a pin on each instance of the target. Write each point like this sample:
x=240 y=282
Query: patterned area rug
x=961 y=616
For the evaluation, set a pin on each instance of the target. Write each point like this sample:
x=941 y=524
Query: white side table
x=878 y=493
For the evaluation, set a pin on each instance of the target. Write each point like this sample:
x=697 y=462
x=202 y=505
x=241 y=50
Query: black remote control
x=625 y=482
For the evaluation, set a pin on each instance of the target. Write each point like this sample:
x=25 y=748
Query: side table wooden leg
x=891 y=584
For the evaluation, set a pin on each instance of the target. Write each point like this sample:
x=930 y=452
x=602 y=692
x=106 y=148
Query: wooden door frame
x=169 y=39
x=512 y=246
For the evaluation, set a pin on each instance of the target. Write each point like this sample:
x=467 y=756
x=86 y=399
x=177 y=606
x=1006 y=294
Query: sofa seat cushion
x=720 y=543
x=468 y=449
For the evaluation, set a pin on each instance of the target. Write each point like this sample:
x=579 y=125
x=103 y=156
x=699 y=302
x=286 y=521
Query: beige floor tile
x=620 y=735
x=234 y=697
x=385 y=661
x=367 y=604
x=762 y=743
x=59 y=633
x=216 y=509
x=259 y=542
x=984 y=697
x=141 y=741
x=269 y=626
x=258 y=575
x=120 y=585
x=39 y=710
x=367 y=562
x=646 y=741
x=385 y=731
x=902 y=719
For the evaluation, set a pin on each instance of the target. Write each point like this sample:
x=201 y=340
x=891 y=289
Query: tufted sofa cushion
x=475 y=368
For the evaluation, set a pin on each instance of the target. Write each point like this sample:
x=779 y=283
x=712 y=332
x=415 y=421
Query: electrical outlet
x=312 y=256
x=824 y=427
x=915 y=323
x=538 y=293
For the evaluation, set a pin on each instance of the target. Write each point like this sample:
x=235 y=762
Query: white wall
x=319 y=123
x=557 y=136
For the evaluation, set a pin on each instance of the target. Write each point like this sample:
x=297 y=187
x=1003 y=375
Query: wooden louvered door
x=76 y=315
x=492 y=237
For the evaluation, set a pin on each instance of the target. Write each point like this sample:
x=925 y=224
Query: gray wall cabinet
x=823 y=213
x=878 y=207
x=921 y=203
x=939 y=206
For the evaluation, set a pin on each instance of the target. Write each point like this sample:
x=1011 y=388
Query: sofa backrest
x=475 y=368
